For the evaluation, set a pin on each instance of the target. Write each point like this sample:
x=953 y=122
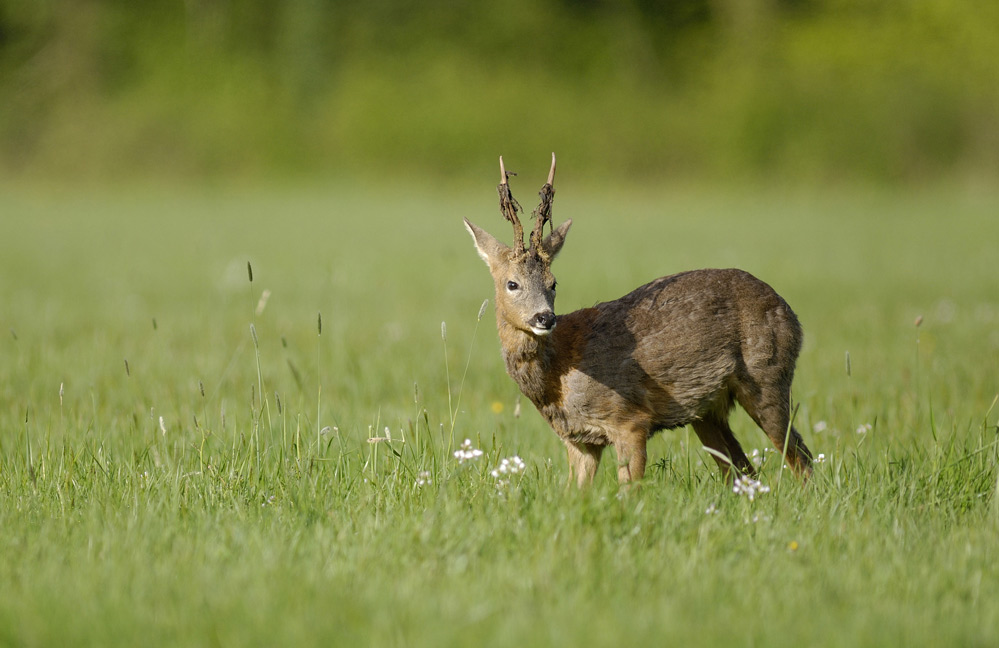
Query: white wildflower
x=507 y=467
x=466 y=452
x=510 y=466
x=821 y=458
x=865 y=428
x=711 y=510
x=749 y=487
x=820 y=426
x=423 y=478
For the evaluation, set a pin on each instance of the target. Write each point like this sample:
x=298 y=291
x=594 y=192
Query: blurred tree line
x=889 y=90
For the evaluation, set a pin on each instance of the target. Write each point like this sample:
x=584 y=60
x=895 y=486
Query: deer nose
x=544 y=321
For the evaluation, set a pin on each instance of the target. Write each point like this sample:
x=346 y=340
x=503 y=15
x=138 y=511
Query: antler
x=543 y=214
x=509 y=208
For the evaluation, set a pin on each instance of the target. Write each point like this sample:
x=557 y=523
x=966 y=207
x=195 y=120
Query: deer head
x=525 y=285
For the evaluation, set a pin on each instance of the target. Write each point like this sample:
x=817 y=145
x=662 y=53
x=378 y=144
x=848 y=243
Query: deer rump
x=672 y=352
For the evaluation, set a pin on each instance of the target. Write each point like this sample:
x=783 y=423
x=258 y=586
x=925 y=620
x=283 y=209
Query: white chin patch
x=540 y=332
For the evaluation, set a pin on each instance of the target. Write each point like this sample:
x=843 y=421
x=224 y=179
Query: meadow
x=229 y=416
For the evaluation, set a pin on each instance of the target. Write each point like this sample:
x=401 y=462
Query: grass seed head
x=262 y=302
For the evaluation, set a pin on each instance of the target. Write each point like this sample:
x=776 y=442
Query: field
x=229 y=418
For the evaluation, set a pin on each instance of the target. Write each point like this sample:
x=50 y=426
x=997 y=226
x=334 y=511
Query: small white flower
x=865 y=428
x=711 y=510
x=466 y=452
x=510 y=466
x=756 y=457
x=423 y=478
x=821 y=458
x=820 y=426
x=749 y=487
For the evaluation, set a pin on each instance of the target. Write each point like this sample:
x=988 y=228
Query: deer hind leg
x=715 y=434
x=583 y=461
x=771 y=409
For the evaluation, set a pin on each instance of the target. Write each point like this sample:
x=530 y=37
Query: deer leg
x=583 y=461
x=715 y=434
x=772 y=412
x=631 y=456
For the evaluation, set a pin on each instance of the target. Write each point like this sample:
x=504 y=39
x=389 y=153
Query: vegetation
x=813 y=90
x=189 y=457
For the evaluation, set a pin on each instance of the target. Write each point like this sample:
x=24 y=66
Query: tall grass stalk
x=319 y=383
x=453 y=411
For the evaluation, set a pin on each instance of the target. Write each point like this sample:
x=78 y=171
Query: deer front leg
x=583 y=461
x=631 y=456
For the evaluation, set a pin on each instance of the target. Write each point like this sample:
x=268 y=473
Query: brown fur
x=679 y=350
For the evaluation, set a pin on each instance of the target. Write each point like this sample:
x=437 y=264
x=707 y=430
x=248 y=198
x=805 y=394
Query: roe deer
x=679 y=350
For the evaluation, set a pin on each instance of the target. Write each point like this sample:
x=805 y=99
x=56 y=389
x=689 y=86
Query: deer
x=680 y=350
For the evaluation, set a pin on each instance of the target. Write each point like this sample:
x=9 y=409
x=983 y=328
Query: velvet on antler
x=542 y=215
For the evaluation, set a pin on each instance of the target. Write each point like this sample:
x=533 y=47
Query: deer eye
x=512 y=285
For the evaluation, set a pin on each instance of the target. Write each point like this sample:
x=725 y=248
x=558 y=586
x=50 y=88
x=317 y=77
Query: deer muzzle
x=542 y=323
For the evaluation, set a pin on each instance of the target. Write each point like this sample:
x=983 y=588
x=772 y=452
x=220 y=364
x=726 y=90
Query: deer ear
x=488 y=246
x=553 y=242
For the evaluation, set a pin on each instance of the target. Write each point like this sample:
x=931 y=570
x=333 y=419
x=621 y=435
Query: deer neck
x=530 y=361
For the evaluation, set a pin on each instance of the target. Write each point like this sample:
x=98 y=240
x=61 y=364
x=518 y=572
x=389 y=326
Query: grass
x=169 y=477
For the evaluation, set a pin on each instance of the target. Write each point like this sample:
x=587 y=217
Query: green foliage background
x=804 y=89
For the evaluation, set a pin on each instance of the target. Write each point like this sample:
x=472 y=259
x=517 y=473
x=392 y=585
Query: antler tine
x=509 y=208
x=543 y=214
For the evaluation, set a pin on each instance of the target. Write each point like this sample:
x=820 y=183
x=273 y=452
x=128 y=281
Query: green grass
x=247 y=523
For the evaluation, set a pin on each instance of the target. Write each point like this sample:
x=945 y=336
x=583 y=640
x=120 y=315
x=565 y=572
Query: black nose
x=545 y=320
